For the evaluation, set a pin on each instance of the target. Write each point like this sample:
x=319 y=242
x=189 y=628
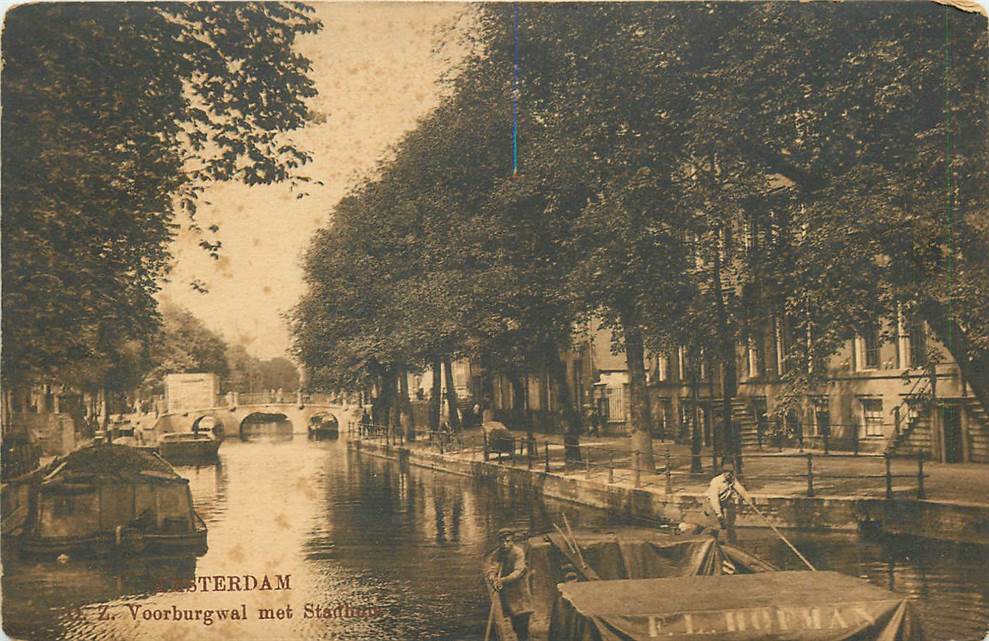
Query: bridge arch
x=208 y=422
x=232 y=417
x=266 y=416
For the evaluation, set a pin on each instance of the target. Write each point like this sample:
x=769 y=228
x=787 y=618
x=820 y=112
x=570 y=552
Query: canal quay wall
x=940 y=520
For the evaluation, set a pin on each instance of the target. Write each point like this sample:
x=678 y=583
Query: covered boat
x=604 y=557
x=113 y=498
x=188 y=448
x=775 y=606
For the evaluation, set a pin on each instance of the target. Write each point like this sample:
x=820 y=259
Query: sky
x=376 y=67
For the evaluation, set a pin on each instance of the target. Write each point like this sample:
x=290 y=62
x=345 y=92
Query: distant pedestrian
x=475 y=419
x=722 y=496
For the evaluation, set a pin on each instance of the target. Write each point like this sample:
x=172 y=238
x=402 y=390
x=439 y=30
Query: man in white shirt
x=722 y=496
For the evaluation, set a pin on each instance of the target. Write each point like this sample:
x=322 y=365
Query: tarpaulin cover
x=772 y=606
x=629 y=553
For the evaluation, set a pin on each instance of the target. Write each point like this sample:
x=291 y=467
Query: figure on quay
x=508 y=575
x=722 y=497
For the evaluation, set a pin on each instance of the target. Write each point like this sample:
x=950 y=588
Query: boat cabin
x=96 y=496
x=773 y=606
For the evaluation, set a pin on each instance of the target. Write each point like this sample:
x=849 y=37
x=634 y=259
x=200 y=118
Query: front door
x=951 y=422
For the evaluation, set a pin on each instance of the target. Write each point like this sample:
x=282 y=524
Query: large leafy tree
x=115 y=117
x=184 y=345
x=885 y=149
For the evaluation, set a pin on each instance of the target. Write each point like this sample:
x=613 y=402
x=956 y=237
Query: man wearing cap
x=722 y=495
x=507 y=573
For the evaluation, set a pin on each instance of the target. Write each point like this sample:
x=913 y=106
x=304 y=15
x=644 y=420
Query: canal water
x=399 y=547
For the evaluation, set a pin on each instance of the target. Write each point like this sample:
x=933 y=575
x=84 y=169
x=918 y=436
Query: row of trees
x=115 y=118
x=690 y=175
x=185 y=345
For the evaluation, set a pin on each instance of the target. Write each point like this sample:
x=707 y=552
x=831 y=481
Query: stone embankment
x=682 y=500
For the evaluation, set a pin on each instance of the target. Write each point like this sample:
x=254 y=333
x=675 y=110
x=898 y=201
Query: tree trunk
x=436 y=400
x=386 y=401
x=729 y=374
x=406 y=405
x=696 y=466
x=518 y=397
x=640 y=414
x=451 y=393
x=571 y=417
x=973 y=363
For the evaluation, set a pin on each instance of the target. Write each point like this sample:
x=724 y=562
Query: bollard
x=810 y=474
x=611 y=466
x=889 y=475
x=638 y=472
x=920 y=476
x=546 y=445
x=484 y=446
x=669 y=472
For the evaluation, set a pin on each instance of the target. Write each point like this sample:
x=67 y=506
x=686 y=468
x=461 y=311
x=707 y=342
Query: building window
x=666 y=415
x=872 y=417
x=918 y=344
x=663 y=369
x=868 y=352
x=756 y=362
x=822 y=417
x=615 y=410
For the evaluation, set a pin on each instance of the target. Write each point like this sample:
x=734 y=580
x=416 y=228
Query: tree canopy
x=115 y=118
x=690 y=174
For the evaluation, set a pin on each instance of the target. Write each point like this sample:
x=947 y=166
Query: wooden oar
x=778 y=533
x=487 y=630
x=576 y=546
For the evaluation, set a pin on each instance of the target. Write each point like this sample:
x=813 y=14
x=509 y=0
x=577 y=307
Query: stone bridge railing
x=232 y=399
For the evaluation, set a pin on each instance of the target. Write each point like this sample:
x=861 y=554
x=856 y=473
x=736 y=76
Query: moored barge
x=113 y=498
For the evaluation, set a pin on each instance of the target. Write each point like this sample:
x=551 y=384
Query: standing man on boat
x=722 y=496
x=507 y=573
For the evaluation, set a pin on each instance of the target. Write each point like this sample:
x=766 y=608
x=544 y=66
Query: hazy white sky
x=375 y=67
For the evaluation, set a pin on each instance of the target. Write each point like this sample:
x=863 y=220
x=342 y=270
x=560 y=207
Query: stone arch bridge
x=231 y=417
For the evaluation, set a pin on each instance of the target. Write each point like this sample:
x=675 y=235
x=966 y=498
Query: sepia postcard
x=514 y=321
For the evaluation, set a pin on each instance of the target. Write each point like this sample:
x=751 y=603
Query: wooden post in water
x=638 y=472
x=546 y=446
x=611 y=466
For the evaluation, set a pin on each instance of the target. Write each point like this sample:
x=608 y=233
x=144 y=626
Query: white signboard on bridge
x=190 y=391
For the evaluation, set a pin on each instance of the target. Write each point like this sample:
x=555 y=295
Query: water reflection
x=266 y=427
x=356 y=530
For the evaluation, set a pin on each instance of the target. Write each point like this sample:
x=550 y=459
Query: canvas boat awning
x=770 y=606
